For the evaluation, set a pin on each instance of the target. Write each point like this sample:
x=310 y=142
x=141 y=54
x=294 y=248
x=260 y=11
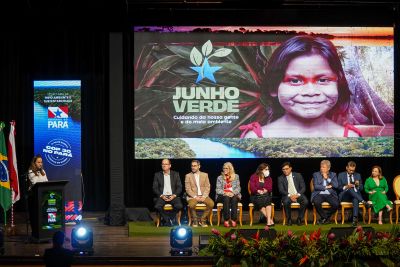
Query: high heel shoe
x=226 y=224
x=380 y=222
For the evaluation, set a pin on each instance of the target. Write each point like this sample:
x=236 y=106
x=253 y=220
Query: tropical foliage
x=162 y=148
x=313 y=147
x=160 y=68
x=315 y=249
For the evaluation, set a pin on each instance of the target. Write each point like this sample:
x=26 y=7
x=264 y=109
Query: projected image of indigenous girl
x=245 y=92
x=307 y=89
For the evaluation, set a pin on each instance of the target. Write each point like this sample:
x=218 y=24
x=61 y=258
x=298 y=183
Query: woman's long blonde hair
x=231 y=171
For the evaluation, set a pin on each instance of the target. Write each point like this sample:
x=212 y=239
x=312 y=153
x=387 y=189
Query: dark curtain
x=36 y=53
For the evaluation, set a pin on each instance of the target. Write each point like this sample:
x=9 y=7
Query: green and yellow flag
x=5 y=189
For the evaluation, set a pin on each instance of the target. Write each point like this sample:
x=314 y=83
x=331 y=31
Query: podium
x=47 y=213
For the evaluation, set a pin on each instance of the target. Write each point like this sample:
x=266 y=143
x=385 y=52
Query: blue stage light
x=81 y=232
x=181 y=232
x=181 y=240
x=82 y=240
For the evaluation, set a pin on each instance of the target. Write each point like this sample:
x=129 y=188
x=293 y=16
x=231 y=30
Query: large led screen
x=57 y=137
x=256 y=92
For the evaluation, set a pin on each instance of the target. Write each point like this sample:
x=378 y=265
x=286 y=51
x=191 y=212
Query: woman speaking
x=36 y=172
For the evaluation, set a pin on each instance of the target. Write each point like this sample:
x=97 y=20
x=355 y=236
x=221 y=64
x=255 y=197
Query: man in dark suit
x=350 y=187
x=292 y=188
x=325 y=185
x=167 y=187
x=58 y=256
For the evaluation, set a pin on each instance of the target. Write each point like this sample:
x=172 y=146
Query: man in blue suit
x=292 y=188
x=350 y=187
x=325 y=185
x=167 y=188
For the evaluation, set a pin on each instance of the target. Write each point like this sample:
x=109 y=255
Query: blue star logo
x=205 y=71
x=58 y=113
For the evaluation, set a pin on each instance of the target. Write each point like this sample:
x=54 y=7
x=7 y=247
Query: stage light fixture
x=82 y=240
x=181 y=240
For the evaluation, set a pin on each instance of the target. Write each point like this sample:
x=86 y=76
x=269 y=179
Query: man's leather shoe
x=289 y=222
x=298 y=222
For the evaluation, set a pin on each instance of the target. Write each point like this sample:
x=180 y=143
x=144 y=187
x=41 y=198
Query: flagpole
x=12 y=215
x=12 y=230
x=13 y=175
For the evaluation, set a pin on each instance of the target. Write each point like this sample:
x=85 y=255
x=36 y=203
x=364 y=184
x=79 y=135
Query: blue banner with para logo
x=57 y=137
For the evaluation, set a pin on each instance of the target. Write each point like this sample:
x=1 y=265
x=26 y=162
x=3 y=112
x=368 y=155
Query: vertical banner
x=57 y=137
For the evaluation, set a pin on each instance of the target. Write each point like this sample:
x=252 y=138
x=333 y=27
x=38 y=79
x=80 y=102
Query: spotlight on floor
x=181 y=240
x=82 y=240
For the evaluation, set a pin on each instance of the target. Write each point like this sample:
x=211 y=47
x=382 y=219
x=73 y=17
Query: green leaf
x=207 y=47
x=156 y=69
x=195 y=57
x=182 y=51
x=244 y=262
x=387 y=262
x=222 y=52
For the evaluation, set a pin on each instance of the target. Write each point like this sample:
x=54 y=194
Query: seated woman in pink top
x=306 y=92
x=261 y=191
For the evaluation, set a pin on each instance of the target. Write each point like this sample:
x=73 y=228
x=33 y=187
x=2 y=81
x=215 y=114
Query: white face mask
x=266 y=173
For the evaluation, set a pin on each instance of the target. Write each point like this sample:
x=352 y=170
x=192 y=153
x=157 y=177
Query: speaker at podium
x=47 y=212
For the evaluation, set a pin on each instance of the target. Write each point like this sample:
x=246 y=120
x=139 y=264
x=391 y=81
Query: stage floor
x=113 y=245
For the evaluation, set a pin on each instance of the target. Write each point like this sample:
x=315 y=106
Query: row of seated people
x=328 y=192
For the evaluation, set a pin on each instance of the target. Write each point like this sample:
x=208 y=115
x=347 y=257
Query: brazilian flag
x=5 y=189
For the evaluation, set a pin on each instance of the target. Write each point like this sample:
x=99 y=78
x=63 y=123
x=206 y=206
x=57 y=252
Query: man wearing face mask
x=292 y=188
x=261 y=191
x=325 y=186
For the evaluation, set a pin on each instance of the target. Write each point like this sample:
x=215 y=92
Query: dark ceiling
x=119 y=14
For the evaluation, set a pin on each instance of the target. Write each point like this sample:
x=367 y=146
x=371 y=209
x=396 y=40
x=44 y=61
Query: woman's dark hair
x=260 y=168
x=290 y=49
